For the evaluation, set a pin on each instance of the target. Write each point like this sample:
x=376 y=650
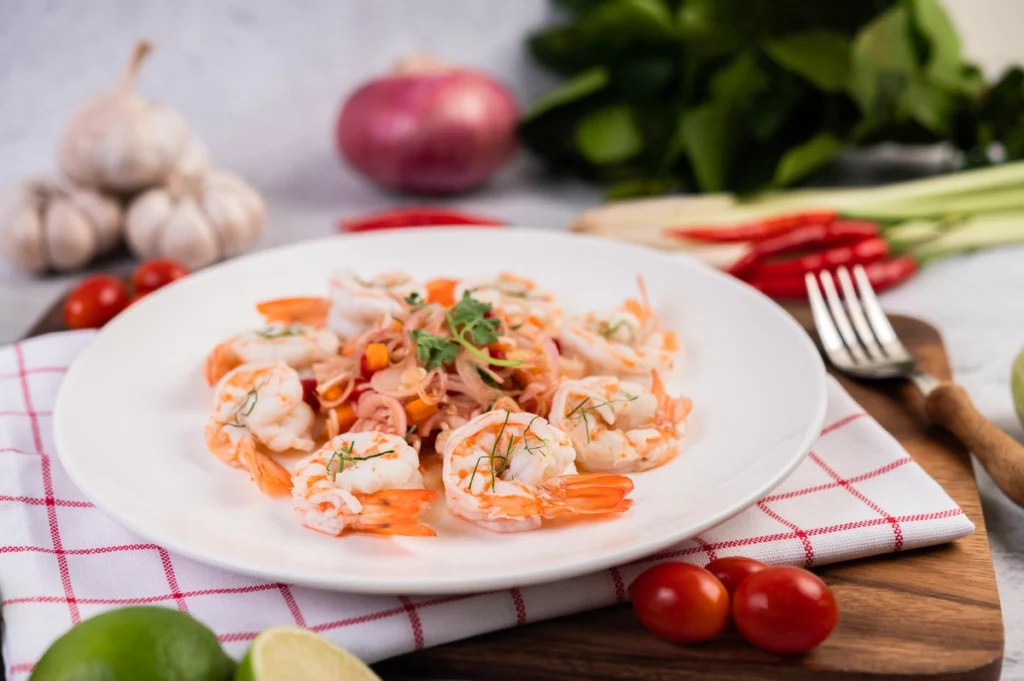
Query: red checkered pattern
x=62 y=560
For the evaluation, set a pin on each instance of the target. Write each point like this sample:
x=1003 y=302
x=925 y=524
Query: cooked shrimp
x=625 y=341
x=358 y=305
x=296 y=345
x=509 y=472
x=518 y=299
x=617 y=426
x=257 y=408
x=363 y=482
x=307 y=311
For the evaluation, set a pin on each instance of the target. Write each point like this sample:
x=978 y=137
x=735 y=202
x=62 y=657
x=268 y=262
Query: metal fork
x=858 y=339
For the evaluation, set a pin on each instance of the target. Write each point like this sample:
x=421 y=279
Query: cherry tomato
x=95 y=301
x=733 y=570
x=784 y=610
x=680 y=602
x=309 y=395
x=152 y=274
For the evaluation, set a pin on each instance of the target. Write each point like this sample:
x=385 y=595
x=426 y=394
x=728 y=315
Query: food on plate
x=732 y=570
x=296 y=345
x=358 y=304
x=680 y=602
x=260 y=406
x=510 y=472
x=95 y=301
x=364 y=482
x=617 y=426
x=623 y=341
x=390 y=378
x=784 y=609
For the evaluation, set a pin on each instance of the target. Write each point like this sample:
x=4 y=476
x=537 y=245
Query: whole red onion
x=428 y=127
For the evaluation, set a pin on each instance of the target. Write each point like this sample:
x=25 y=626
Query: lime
x=1017 y=385
x=145 y=642
x=294 y=654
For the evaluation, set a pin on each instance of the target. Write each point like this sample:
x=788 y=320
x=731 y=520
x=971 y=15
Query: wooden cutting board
x=928 y=614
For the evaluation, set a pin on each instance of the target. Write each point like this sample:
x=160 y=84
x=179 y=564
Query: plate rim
x=419 y=586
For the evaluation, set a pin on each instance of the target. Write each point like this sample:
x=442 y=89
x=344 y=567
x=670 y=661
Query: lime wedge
x=295 y=654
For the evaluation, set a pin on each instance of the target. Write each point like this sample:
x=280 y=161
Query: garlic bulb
x=44 y=227
x=118 y=141
x=194 y=160
x=195 y=220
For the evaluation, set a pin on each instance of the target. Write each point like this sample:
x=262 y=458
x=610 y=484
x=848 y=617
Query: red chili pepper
x=836 y=233
x=758 y=230
x=416 y=216
x=309 y=395
x=860 y=252
x=883 y=275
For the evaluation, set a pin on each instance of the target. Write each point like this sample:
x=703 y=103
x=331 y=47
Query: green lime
x=294 y=654
x=145 y=642
x=1017 y=385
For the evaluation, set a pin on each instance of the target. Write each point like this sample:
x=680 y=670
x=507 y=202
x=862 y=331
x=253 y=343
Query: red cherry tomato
x=152 y=274
x=680 y=602
x=95 y=301
x=784 y=610
x=733 y=570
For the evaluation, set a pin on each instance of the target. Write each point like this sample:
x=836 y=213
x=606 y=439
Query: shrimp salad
x=367 y=405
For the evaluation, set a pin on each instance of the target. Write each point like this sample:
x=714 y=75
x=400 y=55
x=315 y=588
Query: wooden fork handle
x=949 y=406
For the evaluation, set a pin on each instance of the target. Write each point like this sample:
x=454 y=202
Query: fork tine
x=877 y=318
x=867 y=336
x=839 y=315
x=827 y=331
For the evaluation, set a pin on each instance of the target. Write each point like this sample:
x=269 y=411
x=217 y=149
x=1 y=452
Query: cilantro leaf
x=434 y=351
x=469 y=320
x=415 y=300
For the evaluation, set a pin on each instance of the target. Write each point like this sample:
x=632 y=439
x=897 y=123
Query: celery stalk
x=905 y=235
x=979 y=231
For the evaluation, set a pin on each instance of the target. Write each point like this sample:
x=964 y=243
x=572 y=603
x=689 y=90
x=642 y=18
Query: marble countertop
x=260 y=83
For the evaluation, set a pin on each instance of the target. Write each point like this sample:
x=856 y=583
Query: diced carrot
x=332 y=393
x=396 y=326
x=418 y=410
x=636 y=309
x=441 y=291
x=671 y=341
x=346 y=414
x=376 y=356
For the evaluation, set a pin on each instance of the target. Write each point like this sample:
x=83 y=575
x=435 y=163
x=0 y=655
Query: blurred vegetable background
x=744 y=95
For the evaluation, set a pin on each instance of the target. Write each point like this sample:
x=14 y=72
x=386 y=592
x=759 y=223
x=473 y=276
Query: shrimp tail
x=587 y=494
x=309 y=311
x=270 y=477
x=395 y=512
x=220 y=361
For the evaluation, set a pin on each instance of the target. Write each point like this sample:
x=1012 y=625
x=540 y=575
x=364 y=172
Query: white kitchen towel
x=62 y=560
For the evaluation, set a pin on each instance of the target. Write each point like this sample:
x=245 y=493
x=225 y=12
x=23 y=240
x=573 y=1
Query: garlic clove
x=103 y=213
x=69 y=239
x=194 y=160
x=121 y=142
x=188 y=236
x=145 y=220
x=230 y=208
x=21 y=238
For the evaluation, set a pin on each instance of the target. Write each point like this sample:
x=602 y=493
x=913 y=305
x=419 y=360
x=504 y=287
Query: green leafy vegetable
x=748 y=95
x=470 y=326
x=415 y=300
x=434 y=351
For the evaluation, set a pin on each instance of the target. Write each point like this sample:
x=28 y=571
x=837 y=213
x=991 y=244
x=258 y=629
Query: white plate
x=129 y=419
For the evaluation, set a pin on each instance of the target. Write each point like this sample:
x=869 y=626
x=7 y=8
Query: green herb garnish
x=345 y=454
x=433 y=351
x=414 y=299
x=583 y=411
x=492 y=456
x=245 y=408
x=470 y=326
x=272 y=332
x=487 y=378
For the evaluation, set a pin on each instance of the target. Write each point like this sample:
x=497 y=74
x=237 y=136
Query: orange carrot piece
x=377 y=356
x=346 y=414
x=441 y=291
x=419 y=411
x=396 y=326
